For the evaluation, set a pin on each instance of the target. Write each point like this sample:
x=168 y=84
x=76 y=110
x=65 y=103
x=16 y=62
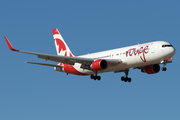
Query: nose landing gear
x=163 y=68
x=164 y=64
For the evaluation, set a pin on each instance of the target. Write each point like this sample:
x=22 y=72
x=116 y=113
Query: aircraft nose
x=174 y=50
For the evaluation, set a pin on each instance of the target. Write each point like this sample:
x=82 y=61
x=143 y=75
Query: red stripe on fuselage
x=70 y=69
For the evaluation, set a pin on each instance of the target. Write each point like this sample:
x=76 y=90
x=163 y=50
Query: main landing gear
x=126 y=79
x=95 y=77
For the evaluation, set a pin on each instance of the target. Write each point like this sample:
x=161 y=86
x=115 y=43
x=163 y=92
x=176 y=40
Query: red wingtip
x=9 y=44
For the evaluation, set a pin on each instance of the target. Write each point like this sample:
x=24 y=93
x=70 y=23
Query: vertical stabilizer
x=61 y=46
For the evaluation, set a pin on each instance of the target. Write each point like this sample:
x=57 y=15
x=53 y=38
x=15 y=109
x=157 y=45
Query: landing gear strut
x=126 y=79
x=95 y=77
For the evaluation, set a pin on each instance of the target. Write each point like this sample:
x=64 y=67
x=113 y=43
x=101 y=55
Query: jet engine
x=151 y=69
x=99 y=65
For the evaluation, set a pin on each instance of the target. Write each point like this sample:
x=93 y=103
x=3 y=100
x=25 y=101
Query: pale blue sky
x=31 y=92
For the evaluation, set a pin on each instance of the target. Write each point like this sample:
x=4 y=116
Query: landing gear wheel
x=129 y=79
x=122 y=78
x=92 y=76
x=125 y=79
x=95 y=77
x=163 y=68
x=99 y=77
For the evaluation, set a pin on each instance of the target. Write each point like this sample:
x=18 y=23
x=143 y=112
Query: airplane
x=145 y=57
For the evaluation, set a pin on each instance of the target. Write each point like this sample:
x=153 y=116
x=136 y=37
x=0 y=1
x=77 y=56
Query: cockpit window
x=166 y=45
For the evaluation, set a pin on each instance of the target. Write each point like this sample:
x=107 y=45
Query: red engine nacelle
x=151 y=69
x=99 y=65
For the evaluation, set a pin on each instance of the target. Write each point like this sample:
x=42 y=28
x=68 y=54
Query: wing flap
x=57 y=59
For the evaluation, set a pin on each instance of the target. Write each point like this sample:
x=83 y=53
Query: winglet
x=9 y=44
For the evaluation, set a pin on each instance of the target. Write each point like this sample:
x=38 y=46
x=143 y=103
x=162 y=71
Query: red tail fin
x=61 y=46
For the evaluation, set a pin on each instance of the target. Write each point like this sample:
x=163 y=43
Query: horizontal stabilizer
x=51 y=65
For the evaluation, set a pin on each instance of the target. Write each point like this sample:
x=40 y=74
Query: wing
x=64 y=59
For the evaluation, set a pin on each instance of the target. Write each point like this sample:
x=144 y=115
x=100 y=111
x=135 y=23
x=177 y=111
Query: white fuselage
x=132 y=56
